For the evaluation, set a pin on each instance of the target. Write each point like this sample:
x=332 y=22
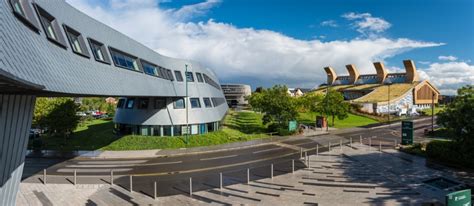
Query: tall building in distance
x=235 y=94
x=383 y=92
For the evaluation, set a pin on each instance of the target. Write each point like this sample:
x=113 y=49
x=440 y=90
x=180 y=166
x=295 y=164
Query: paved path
x=357 y=175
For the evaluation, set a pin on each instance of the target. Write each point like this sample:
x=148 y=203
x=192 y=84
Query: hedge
x=451 y=152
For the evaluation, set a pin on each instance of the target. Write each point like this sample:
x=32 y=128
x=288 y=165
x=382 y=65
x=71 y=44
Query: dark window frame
x=199 y=77
x=43 y=16
x=189 y=79
x=113 y=50
x=28 y=16
x=121 y=103
x=143 y=62
x=184 y=103
x=170 y=74
x=70 y=31
x=143 y=103
x=127 y=103
x=156 y=106
x=102 y=48
x=206 y=105
x=179 y=78
x=198 y=101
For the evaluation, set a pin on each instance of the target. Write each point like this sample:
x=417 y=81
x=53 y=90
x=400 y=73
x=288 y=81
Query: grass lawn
x=427 y=112
x=352 y=121
x=98 y=134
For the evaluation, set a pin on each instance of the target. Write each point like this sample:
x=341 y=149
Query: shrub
x=451 y=152
x=37 y=144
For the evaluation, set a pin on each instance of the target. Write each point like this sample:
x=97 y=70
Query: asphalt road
x=174 y=171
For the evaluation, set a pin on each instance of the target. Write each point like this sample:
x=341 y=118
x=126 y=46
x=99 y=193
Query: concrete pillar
x=16 y=112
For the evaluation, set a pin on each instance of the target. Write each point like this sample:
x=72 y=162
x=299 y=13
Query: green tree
x=276 y=104
x=458 y=116
x=333 y=105
x=57 y=114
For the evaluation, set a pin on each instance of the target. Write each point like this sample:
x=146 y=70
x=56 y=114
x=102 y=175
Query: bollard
x=75 y=177
x=131 y=184
x=220 y=181
x=317 y=150
x=329 y=146
x=305 y=156
x=190 y=186
x=111 y=177
x=360 y=139
x=370 y=143
x=308 y=163
x=395 y=143
x=380 y=146
x=154 y=190
x=292 y=166
x=44 y=176
x=271 y=172
x=340 y=145
x=301 y=153
x=350 y=143
x=248 y=175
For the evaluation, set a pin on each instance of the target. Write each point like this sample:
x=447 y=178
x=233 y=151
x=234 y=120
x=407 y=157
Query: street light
x=327 y=93
x=432 y=112
x=186 y=103
x=388 y=83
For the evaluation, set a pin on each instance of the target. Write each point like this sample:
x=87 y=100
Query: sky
x=263 y=43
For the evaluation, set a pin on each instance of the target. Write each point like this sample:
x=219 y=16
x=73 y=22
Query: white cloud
x=329 y=23
x=239 y=54
x=194 y=10
x=366 y=24
x=424 y=62
x=449 y=76
x=448 y=58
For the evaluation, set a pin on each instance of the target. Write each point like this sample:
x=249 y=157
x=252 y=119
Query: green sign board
x=459 y=198
x=292 y=126
x=407 y=132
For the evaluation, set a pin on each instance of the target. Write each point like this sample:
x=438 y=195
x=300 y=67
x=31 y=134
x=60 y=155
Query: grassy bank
x=352 y=121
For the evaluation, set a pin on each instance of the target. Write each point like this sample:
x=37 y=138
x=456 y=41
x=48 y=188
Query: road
x=174 y=171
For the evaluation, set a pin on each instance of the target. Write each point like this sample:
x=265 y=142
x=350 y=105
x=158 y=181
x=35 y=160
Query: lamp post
x=327 y=105
x=432 y=112
x=186 y=103
x=388 y=83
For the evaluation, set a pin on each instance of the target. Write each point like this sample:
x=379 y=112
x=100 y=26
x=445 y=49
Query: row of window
x=160 y=103
x=24 y=12
x=167 y=130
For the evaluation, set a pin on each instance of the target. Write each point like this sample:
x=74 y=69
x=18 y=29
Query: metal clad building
x=49 y=48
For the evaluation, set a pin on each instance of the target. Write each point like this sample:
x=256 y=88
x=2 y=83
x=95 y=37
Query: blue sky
x=288 y=42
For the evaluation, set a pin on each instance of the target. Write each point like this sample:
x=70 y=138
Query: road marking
x=267 y=150
x=112 y=162
x=92 y=170
x=215 y=158
x=124 y=165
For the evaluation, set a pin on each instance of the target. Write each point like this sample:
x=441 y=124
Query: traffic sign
x=459 y=198
x=407 y=132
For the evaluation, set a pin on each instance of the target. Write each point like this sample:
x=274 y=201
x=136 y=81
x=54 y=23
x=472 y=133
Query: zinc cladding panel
x=32 y=58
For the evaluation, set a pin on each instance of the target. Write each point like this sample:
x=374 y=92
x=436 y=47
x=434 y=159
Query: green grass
x=351 y=121
x=428 y=112
x=98 y=134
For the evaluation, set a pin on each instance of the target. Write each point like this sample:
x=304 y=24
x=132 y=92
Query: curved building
x=49 y=48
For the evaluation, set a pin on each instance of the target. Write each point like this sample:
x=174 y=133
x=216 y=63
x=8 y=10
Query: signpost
x=407 y=132
x=459 y=198
x=292 y=126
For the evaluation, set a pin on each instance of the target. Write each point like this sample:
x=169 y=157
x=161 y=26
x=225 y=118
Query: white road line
x=215 y=158
x=267 y=150
x=93 y=170
x=113 y=162
x=124 y=165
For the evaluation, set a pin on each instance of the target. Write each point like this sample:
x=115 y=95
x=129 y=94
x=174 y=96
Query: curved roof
x=28 y=56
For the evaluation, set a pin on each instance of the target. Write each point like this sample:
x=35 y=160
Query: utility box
x=407 y=132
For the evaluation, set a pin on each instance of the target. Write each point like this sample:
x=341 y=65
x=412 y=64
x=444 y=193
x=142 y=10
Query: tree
x=333 y=105
x=458 y=116
x=276 y=105
x=56 y=114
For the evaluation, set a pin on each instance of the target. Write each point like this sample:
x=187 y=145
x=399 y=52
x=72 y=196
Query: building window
x=207 y=102
x=160 y=103
x=143 y=103
x=51 y=27
x=178 y=76
x=199 y=77
x=179 y=103
x=130 y=103
x=149 y=68
x=23 y=11
x=189 y=77
x=76 y=41
x=195 y=103
x=99 y=51
x=120 y=103
x=170 y=74
x=159 y=72
x=123 y=60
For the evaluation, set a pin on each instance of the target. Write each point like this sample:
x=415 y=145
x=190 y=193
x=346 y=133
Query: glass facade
x=178 y=75
x=130 y=103
x=179 y=104
x=149 y=69
x=199 y=77
x=167 y=130
x=189 y=77
x=195 y=103
x=143 y=103
x=207 y=102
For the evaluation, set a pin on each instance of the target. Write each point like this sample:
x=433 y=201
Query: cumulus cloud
x=329 y=23
x=366 y=24
x=244 y=54
x=449 y=76
x=448 y=58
